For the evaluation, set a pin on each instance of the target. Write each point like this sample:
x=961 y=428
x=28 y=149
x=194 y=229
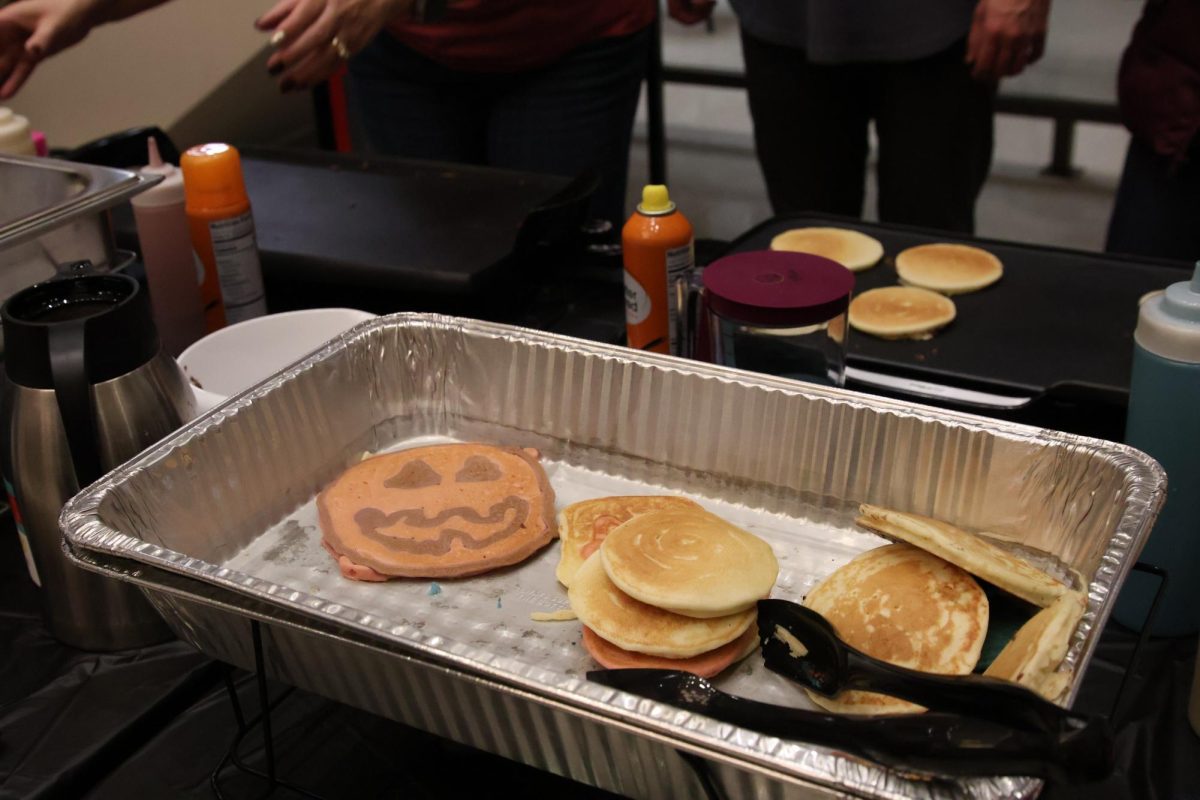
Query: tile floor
x=716 y=180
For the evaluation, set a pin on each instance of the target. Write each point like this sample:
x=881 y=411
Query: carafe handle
x=72 y=391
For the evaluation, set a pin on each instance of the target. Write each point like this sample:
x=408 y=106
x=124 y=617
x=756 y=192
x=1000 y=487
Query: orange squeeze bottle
x=659 y=253
x=222 y=228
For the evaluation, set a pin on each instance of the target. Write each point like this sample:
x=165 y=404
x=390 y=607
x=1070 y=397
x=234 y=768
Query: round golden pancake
x=973 y=553
x=1032 y=657
x=632 y=625
x=900 y=312
x=690 y=562
x=584 y=525
x=948 y=268
x=907 y=607
x=853 y=250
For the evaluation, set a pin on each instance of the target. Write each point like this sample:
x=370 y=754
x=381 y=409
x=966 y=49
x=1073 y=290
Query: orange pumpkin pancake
x=441 y=511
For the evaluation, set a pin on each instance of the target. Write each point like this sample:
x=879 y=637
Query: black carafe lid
x=120 y=335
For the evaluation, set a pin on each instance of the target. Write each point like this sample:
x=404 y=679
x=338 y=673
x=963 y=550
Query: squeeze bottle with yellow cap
x=659 y=255
x=222 y=228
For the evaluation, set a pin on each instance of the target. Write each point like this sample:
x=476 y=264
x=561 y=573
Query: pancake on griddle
x=973 y=553
x=1034 y=654
x=948 y=268
x=907 y=607
x=900 y=312
x=583 y=526
x=440 y=511
x=853 y=250
x=690 y=562
x=640 y=628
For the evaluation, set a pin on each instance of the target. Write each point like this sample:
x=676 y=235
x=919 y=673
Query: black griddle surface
x=1058 y=320
x=389 y=224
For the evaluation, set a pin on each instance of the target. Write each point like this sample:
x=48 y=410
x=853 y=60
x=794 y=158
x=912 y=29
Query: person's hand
x=31 y=30
x=315 y=37
x=689 y=12
x=1006 y=36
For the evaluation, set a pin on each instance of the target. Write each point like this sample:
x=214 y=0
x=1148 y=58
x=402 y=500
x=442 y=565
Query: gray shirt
x=842 y=31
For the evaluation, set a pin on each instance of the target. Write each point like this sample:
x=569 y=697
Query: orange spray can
x=659 y=252
x=222 y=228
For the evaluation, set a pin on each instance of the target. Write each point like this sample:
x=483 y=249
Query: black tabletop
x=390 y=223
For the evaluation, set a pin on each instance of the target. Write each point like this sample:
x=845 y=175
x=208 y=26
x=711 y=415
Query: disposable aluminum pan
x=226 y=506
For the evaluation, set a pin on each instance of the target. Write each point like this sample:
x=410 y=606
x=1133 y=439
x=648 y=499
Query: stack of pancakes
x=918 y=604
x=671 y=587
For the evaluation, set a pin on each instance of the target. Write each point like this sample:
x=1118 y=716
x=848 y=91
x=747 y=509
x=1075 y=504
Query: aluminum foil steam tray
x=225 y=509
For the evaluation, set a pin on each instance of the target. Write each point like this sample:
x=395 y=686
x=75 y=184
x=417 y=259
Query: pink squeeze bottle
x=166 y=243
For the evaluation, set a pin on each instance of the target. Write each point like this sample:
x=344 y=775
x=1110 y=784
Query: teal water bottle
x=1164 y=421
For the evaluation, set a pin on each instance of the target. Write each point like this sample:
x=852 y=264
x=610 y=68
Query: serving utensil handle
x=937 y=744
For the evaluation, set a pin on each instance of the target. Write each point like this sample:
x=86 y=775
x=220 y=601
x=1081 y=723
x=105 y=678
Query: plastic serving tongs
x=976 y=726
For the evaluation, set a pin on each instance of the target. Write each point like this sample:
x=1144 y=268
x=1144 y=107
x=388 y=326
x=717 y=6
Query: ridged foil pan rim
x=84 y=529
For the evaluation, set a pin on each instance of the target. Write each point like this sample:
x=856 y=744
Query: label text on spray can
x=236 y=255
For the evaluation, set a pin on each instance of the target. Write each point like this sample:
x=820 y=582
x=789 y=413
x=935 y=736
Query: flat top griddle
x=1059 y=321
x=389 y=224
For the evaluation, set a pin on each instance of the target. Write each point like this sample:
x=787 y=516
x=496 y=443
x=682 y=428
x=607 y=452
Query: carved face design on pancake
x=437 y=511
x=444 y=495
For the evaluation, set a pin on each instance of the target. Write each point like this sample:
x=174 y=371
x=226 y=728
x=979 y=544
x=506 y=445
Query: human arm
x=1006 y=36
x=31 y=30
x=307 y=29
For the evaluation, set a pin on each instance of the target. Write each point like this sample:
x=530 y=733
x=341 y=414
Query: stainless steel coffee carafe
x=86 y=388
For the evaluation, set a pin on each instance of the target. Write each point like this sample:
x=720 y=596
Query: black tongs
x=828 y=665
x=1020 y=737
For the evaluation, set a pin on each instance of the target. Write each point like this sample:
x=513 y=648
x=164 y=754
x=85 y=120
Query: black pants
x=1157 y=210
x=933 y=122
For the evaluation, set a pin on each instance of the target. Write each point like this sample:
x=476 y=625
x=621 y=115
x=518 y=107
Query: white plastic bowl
x=235 y=358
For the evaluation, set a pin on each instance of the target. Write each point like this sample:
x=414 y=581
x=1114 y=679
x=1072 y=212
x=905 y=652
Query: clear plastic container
x=778 y=313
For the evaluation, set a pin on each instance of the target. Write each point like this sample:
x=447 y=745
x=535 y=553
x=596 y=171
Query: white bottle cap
x=15 y=135
x=169 y=191
x=1169 y=322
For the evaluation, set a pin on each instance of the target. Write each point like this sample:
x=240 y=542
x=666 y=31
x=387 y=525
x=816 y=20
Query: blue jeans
x=564 y=118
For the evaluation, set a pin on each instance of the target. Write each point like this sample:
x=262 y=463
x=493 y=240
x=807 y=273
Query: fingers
x=1006 y=37
x=311 y=70
x=300 y=36
x=1037 y=48
x=17 y=77
x=975 y=36
x=270 y=19
x=983 y=66
x=44 y=39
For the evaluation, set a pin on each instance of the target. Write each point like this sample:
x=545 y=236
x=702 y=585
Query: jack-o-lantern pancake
x=583 y=526
x=441 y=511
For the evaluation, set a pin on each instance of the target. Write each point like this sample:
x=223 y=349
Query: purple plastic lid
x=768 y=287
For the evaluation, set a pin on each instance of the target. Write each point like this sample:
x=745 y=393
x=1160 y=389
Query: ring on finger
x=340 y=48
